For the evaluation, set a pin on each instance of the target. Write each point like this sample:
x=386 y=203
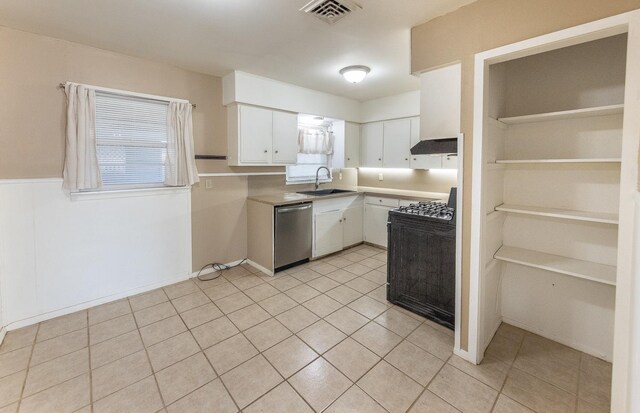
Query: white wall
x=58 y=255
x=403 y=105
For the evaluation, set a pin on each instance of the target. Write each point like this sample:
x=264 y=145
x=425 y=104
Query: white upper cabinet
x=352 y=145
x=371 y=145
x=440 y=95
x=260 y=136
x=397 y=143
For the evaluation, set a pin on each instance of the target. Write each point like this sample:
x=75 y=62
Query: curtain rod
x=63 y=85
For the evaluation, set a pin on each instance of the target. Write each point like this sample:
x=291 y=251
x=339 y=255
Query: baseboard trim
x=464 y=355
x=210 y=270
x=3 y=333
x=260 y=267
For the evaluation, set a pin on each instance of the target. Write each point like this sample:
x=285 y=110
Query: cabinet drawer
x=388 y=202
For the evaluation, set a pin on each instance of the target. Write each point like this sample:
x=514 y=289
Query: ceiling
x=270 y=38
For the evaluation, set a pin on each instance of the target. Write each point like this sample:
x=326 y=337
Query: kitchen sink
x=322 y=192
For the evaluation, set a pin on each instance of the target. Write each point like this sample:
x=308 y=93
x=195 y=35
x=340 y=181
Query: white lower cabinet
x=375 y=224
x=337 y=224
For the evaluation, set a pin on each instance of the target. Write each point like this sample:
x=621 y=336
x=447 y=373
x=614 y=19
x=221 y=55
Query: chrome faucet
x=318 y=176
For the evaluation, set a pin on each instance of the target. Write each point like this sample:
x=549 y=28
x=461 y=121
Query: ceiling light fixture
x=355 y=74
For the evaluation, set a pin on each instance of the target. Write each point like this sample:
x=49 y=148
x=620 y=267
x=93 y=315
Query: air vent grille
x=330 y=11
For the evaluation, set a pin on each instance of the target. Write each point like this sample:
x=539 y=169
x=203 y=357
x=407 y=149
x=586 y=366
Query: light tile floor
x=318 y=337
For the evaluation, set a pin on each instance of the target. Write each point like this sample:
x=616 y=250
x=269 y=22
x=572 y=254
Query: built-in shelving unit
x=562 y=115
x=605 y=274
x=599 y=217
x=543 y=161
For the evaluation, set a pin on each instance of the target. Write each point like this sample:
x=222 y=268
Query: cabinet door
x=375 y=224
x=440 y=102
x=397 y=142
x=371 y=145
x=352 y=226
x=285 y=138
x=328 y=233
x=256 y=131
x=450 y=161
x=415 y=131
x=352 y=145
x=426 y=161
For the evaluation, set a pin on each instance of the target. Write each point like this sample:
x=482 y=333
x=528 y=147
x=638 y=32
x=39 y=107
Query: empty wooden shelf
x=599 y=217
x=566 y=114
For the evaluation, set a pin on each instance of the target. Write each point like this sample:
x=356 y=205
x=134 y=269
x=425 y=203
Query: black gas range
x=421 y=259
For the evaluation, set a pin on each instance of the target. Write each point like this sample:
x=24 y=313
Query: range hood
x=445 y=146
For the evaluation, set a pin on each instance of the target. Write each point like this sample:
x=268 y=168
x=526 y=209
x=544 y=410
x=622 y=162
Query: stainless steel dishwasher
x=293 y=224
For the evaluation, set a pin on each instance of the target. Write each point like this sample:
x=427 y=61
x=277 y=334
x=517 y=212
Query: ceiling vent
x=330 y=11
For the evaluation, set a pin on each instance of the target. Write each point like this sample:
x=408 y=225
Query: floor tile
x=434 y=341
x=249 y=317
x=322 y=305
x=233 y=302
x=377 y=338
x=380 y=294
x=338 y=261
x=120 y=374
x=108 y=311
x=59 y=346
x=355 y=400
x=190 y=301
x=286 y=283
x=368 y=307
x=343 y=294
x=321 y=336
x=510 y=332
x=507 y=405
x=211 y=397
x=585 y=407
x=352 y=358
x=154 y=313
x=324 y=268
x=342 y=276
x=62 y=325
x=323 y=284
x=19 y=338
x=491 y=371
x=377 y=276
x=372 y=263
x=302 y=293
x=281 y=399
x=247 y=282
x=261 y=292
x=111 y=328
x=306 y=275
x=595 y=381
x=56 y=371
x=221 y=290
x=251 y=380
x=297 y=318
x=353 y=256
x=181 y=289
x=12 y=408
x=397 y=322
x=200 y=315
x=347 y=320
x=414 y=362
x=149 y=299
x=182 y=378
x=172 y=350
x=267 y=334
x=234 y=272
x=11 y=387
x=503 y=349
x=65 y=397
x=115 y=348
x=362 y=285
x=537 y=394
x=463 y=391
x=162 y=330
x=357 y=269
x=391 y=388
x=214 y=332
x=277 y=304
x=320 y=384
x=290 y=356
x=230 y=353
x=430 y=403
x=141 y=397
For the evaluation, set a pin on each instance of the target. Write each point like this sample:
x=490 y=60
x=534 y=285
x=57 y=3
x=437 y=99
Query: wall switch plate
x=208 y=183
x=380 y=177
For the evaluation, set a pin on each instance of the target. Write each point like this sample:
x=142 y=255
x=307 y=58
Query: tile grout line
x=90 y=369
x=507 y=376
x=26 y=375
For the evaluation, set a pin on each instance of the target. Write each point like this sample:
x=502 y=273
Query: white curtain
x=314 y=141
x=81 y=170
x=180 y=164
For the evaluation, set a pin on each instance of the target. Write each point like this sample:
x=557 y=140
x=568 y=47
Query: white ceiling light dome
x=355 y=74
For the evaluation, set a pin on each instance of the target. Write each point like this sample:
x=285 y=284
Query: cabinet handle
x=379 y=159
x=344 y=219
x=348 y=159
x=406 y=159
x=414 y=159
x=340 y=221
x=265 y=151
x=276 y=151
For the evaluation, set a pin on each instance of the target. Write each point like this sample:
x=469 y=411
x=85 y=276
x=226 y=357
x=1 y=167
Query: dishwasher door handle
x=292 y=209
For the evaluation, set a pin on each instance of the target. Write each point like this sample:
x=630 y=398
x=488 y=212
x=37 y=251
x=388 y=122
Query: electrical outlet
x=340 y=176
x=208 y=183
x=380 y=177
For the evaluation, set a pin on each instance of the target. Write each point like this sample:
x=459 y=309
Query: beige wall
x=484 y=25
x=408 y=179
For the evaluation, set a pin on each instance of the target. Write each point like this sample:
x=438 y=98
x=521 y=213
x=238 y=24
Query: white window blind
x=131 y=139
x=306 y=167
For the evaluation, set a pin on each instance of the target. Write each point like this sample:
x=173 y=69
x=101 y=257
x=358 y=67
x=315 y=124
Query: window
x=131 y=140
x=306 y=167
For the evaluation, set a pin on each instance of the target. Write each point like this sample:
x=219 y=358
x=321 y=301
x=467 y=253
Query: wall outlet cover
x=208 y=183
x=380 y=177
x=340 y=176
